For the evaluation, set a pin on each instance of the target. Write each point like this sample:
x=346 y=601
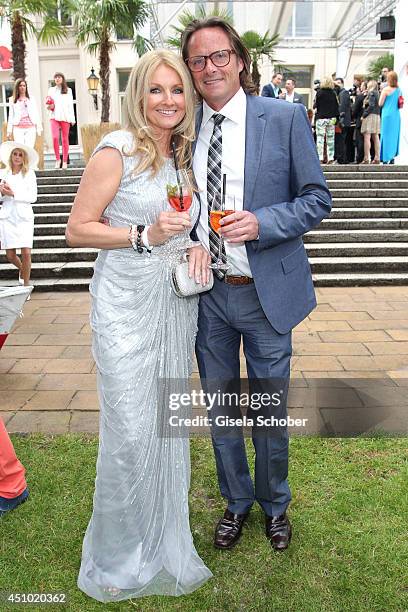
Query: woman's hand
x=5 y=189
x=199 y=260
x=167 y=225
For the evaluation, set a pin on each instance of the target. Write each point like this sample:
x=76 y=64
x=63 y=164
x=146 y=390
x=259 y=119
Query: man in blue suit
x=273 y=89
x=266 y=150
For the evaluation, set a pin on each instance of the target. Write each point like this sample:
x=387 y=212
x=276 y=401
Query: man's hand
x=198 y=261
x=240 y=226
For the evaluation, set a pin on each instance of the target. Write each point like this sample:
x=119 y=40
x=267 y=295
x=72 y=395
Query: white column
x=342 y=61
x=401 y=68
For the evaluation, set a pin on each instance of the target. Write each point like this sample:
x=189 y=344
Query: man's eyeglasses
x=218 y=58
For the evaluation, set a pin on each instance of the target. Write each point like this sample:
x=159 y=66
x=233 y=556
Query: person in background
x=390 y=119
x=370 y=123
x=327 y=114
x=289 y=94
x=18 y=189
x=13 y=485
x=357 y=113
x=383 y=77
x=344 y=120
x=273 y=89
x=61 y=108
x=24 y=121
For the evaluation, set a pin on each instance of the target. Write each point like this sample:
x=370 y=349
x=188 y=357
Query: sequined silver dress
x=138 y=541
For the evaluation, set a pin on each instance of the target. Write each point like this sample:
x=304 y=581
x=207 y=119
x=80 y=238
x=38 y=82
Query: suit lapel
x=254 y=134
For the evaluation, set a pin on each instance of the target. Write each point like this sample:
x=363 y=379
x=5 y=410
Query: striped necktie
x=214 y=187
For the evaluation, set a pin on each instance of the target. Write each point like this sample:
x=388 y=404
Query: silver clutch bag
x=183 y=286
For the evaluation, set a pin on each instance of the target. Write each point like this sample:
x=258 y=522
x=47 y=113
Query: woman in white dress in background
x=138 y=541
x=18 y=189
x=24 y=121
x=60 y=104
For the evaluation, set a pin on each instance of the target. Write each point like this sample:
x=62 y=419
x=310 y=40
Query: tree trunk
x=18 y=48
x=256 y=77
x=104 y=67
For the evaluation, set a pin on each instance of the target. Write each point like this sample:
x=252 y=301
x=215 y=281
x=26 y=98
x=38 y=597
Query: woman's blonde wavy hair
x=372 y=86
x=25 y=167
x=327 y=83
x=135 y=119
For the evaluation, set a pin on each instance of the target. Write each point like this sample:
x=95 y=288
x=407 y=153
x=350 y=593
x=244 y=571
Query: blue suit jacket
x=285 y=188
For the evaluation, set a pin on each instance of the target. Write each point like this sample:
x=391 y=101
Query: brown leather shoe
x=228 y=530
x=278 y=530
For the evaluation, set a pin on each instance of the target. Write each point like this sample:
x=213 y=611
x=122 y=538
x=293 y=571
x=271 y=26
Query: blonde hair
x=25 y=167
x=327 y=83
x=135 y=118
x=372 y=85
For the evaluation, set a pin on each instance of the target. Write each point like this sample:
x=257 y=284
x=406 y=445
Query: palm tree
x=186 y=17
x=258 y=46
x=376 y=65
x=20 y=14
x=97 y=22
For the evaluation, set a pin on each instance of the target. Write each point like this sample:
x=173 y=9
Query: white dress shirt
x=233 y=165
x=289 y=97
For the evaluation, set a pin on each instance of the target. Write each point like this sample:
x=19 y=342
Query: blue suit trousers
x=228 y=314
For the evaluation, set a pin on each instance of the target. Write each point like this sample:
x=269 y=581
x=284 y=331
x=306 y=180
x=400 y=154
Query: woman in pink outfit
x=24 y=121
x=13 y=486
x=61 y=107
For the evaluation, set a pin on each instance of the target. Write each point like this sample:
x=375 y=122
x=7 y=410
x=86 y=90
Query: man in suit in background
x=267 y=152
x=344 y=121
x=273 y=89
x=289 y=94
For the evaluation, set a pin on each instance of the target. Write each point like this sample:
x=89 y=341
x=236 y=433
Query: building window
x=73 y=130
x=125 y=33
x=123 y=77
x=6 y=91
x=301 y=22
x=61 y=12
x=303 y=76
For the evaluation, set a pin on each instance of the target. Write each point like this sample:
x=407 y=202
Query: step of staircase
x=363 y=242
x=360 y=279
x=359 y=235
x=362 y=168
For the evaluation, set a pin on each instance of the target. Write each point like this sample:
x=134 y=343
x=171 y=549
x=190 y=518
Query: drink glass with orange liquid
x=218 y=211
x=180 y=195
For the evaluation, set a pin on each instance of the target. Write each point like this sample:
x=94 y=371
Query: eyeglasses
x=218 y=58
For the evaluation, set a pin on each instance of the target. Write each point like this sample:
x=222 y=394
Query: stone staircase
x=363 y=242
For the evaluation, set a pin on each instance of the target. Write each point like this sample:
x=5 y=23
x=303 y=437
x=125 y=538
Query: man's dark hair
x=340 y=79
x=235 y=42
x=293 y=80
x=275 y=74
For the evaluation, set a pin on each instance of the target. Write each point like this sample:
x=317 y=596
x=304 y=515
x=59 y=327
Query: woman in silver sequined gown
x=138 y=541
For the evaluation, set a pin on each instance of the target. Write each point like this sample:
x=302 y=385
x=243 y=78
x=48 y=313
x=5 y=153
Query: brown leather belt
x=233 y=279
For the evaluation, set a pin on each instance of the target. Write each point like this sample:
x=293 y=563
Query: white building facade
x=310 y=32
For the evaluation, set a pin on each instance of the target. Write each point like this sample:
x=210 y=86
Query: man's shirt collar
x=235 y=109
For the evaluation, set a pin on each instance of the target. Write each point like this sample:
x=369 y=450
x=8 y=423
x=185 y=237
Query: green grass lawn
x=349 y=550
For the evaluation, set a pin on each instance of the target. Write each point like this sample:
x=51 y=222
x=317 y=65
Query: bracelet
x=139 y=243
x=132 y=237
x=135 y=238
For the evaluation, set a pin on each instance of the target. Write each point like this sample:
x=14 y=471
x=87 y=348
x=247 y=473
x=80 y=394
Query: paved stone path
x=47 y=374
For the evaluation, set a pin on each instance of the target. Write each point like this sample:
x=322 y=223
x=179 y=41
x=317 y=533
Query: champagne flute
x=180 y=195
x=219 y=211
